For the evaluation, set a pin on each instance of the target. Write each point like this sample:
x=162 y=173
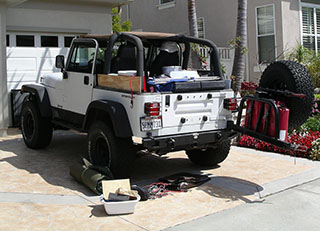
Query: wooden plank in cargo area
x=121 y=82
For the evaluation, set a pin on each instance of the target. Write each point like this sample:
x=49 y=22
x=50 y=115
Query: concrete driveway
x=37 y=193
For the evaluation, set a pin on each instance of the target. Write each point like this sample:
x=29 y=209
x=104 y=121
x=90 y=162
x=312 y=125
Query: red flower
x=303 y=140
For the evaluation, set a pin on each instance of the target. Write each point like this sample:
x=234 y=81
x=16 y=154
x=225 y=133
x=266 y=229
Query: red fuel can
x=268 y=114
x=283 y=122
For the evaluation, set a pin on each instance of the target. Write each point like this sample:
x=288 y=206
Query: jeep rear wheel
x=36 y=130
x=210 y=156
x=105 y=149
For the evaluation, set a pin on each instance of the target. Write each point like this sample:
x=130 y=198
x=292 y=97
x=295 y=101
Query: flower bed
x=248 y=88
x=305 y=140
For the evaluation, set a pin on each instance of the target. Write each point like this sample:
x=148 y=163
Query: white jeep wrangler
x=134 y=86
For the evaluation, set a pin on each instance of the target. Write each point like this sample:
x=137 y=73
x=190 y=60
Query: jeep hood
x=51 y=79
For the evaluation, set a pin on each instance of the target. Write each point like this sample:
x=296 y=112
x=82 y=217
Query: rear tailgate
x=193 y=112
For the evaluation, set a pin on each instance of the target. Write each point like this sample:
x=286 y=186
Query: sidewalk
x=294 y=209
x=37 y=193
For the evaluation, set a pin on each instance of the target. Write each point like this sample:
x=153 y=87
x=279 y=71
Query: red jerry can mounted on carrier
x=261 y=117
x=283 y=100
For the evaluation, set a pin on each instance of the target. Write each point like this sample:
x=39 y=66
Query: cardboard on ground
x=111 y=186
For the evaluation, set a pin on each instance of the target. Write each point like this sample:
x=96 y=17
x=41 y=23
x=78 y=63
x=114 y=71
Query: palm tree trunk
x=241 y=42
x=193 y=25
x=193 y=30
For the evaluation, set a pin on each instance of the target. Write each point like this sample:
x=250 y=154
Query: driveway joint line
x=133 y=223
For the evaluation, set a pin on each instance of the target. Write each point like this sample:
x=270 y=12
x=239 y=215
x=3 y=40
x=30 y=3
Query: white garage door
x=30 y=56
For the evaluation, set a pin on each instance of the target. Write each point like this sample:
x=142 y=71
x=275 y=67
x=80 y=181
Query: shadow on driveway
x=51 y=163
x=66 y=148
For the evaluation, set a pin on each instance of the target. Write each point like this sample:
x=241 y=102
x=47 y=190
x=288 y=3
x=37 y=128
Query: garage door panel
x=39 y=52
x=27 y=64
x=48 y=64
x=22 y=64
x=21 y=76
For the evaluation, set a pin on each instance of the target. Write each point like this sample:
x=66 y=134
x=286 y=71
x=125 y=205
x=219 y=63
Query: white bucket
x=120 y=207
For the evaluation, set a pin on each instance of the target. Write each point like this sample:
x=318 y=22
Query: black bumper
x=164 y=144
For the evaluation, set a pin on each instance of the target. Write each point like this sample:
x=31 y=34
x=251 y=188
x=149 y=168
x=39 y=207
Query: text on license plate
x=150 y=124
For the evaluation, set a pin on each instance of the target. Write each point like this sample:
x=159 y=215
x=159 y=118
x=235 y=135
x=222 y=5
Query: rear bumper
x=165 y=144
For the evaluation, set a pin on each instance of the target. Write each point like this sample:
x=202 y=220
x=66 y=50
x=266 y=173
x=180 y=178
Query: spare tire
x=292 y=76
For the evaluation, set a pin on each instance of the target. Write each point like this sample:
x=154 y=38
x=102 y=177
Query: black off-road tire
x=292 y=76
x=105 y=149
x=210 y=156
x=36 y=130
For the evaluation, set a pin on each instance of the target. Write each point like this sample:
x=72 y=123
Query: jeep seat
x=164 y=59
x=125 y=59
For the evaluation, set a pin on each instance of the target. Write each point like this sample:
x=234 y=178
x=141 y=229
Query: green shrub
x=313 y=124
x=315 y=150
x=301 y=54
x=309 y=58
x=314 y=70
x=317 y=96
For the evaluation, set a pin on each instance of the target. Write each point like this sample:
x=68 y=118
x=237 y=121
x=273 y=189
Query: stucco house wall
x=220 y=18
x=220 y=23
x=59 y=17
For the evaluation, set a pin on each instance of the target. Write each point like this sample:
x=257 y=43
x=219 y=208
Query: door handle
x=86 y=80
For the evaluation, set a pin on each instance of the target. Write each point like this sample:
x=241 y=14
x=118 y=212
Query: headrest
x=170 y=47
x=127 y=51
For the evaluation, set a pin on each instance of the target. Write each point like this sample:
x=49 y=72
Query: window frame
x=74 y=47
x=316 y=34
x=203 y=27
x=164 y=5
x=8 y=40
x=270 y=34
x=25 y=34
x=45 y=35
x=64 y=40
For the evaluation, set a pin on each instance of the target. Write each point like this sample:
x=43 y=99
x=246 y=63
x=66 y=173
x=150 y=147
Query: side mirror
x=60 y=62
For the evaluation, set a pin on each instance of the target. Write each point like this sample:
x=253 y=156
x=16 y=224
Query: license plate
x=148 y=124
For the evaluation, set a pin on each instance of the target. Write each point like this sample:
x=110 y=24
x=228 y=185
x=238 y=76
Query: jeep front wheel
x=105 y=149
x=36 y=130
x=210 y=156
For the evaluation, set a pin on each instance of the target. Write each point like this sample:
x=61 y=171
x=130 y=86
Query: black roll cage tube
x=133 y=39
x=215 y=67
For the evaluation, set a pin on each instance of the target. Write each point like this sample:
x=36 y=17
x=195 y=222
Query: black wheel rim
x=102 y=151
x=28 y=125
x=279 y=85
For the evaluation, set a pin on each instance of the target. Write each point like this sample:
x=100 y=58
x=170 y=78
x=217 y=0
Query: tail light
x=230 y=104
x=152 y=109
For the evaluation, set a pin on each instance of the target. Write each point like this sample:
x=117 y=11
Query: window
x=201 y=27
x=67 y=41
x=165 y=1
x=164 y=4
x=82 y=58
x=49 y=41
x=7 y=40
x=25 y=40
x=311 y=28
x=266 y=34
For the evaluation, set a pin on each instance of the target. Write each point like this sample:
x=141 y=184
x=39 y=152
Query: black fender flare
x=41 y=96
x=117 y=113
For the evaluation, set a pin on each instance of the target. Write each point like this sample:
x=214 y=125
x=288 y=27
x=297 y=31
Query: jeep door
x=79 y=77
